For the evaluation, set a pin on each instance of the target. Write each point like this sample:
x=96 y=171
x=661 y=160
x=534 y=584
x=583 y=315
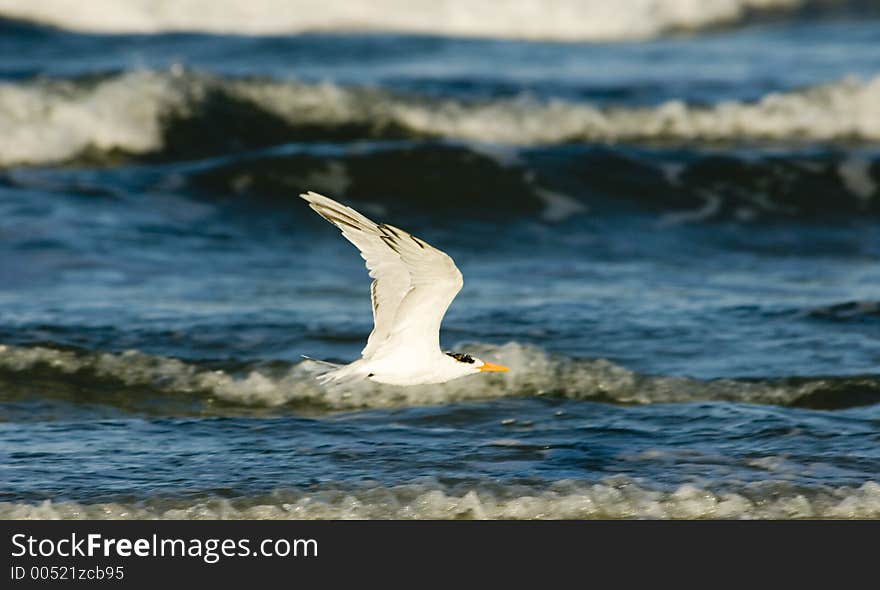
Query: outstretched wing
x=413 y=282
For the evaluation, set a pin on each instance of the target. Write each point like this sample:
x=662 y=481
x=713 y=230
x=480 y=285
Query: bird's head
x=469 y=364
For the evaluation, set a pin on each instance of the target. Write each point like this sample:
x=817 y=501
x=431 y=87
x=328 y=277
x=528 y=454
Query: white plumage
x=413 y=286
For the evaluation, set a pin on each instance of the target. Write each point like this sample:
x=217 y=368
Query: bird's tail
x=326 y=371
x=331 y=373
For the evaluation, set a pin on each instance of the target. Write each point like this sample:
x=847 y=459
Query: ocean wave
x=551 y=183
x=563 y=20
x=185 y=114
x=447 y=178
x=562 y=500
x=850 y=311
x=555 y=185
x=121 y=378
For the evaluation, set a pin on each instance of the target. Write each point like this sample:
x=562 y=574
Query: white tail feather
x=336 y=373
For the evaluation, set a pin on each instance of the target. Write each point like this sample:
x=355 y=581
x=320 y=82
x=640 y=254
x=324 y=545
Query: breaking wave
x=179 y=113
x=557 y=184
x=563 y=500
x=563 y=20
x=132 y=380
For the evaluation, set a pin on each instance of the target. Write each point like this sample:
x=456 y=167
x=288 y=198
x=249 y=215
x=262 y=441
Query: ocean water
x=667 y=217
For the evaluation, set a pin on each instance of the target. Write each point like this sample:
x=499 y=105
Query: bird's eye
x=461 y=357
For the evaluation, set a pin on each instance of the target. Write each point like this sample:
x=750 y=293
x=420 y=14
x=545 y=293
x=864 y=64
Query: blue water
x=691 y=318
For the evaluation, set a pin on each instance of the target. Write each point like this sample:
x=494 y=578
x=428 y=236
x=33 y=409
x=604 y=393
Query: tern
x=413 y=286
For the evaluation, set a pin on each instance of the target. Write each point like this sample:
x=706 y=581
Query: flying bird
x=413 y=286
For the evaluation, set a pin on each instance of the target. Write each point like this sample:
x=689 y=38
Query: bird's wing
x=413 y=282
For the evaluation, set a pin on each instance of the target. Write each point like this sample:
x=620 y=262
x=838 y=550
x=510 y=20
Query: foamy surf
x=561 y=20
x=132 y=113
x=534 y=372
x=562 y=500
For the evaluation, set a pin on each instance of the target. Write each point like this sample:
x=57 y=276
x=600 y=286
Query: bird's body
x=413 y=286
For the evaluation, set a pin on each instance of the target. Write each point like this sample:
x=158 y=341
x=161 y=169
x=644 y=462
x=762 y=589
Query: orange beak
x=493 y=368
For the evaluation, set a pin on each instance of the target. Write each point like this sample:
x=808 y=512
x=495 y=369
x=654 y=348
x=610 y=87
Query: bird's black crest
x=461 y=357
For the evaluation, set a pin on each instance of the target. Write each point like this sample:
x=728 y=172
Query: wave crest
x=177 y=113
x=564 y=500
x=564 y=20
x=534 y=372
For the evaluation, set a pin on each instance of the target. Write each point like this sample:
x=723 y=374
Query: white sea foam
x=562 y=500
x=533 y=372
x=856 y=175
x=711 y=206
x=841 y=110
x=557 y=206
x=58 y=120
x=568 y=20
x=51 y=121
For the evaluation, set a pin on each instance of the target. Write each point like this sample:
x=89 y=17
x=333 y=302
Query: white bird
x=413 y=285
